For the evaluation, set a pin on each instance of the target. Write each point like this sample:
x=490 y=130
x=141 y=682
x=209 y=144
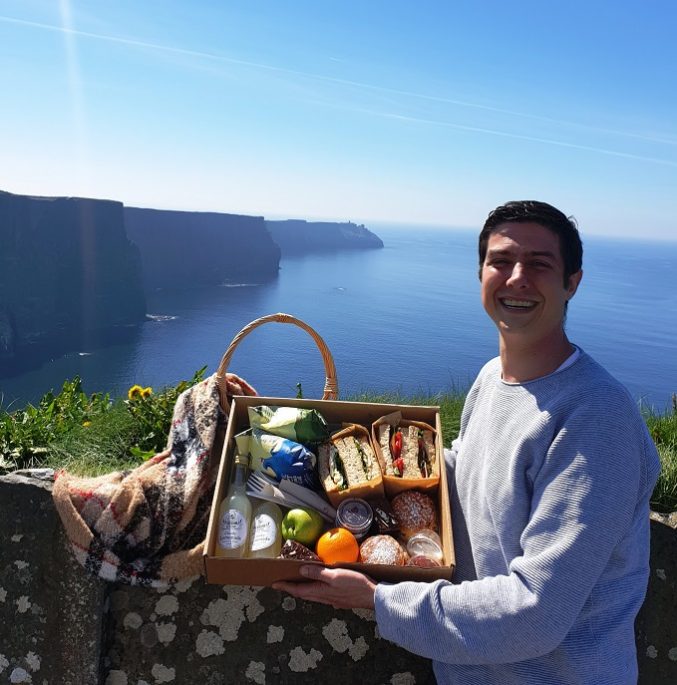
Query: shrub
x=25 y=434
x=92 y=431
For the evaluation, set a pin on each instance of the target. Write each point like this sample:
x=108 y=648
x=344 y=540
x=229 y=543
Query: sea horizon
x=406 y=318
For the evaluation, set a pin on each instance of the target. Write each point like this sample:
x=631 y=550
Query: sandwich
x=408 y=451
x=346 y=462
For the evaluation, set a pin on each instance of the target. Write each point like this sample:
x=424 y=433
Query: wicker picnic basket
x=249 y=571
x=330 y=383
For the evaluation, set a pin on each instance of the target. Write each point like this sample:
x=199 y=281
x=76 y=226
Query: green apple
x=302 y=524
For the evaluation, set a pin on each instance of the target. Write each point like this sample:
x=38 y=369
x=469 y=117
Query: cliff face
x=296 y=236
x=183 y=249
x=67 y=273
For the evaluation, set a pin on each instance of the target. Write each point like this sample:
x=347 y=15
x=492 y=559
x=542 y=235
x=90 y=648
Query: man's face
x=523 y=281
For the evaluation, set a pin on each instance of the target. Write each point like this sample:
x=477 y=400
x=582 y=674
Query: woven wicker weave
x=330 y=384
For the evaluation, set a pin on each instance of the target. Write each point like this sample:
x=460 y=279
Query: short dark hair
x=523 y=211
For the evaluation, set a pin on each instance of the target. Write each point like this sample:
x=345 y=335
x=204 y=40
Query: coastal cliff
x=68 y=275
x=296 y=236
x=75 y=272
x=184 y=249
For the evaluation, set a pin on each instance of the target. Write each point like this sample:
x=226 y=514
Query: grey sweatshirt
x=550 y=483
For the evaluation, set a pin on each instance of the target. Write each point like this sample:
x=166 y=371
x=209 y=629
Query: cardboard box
x=267 y=571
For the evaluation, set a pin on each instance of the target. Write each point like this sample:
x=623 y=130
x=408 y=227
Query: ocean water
x=406 y=318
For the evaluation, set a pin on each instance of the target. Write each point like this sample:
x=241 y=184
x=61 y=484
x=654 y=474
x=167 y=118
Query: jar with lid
x=356 y=515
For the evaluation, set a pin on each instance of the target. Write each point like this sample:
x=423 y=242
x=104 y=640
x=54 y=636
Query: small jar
x=355 y=515
x=426 y=543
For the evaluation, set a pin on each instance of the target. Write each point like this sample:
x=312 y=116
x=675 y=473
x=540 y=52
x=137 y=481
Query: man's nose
x=518 y=277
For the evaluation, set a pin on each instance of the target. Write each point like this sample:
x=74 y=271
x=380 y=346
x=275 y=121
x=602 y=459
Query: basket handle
x=330 y=384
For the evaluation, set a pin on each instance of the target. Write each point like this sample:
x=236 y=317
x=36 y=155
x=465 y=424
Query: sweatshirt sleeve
x=584 y=497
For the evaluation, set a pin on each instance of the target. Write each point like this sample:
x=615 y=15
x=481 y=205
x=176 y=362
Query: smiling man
x=550 y=481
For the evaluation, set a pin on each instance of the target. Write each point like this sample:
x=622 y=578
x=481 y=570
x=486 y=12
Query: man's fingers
x=317 y=572
x=239 y=386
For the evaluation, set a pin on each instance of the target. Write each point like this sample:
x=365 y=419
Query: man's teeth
x=523 y=304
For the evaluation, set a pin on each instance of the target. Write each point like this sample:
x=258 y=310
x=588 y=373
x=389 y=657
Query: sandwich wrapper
x=371 y=489
x=393 y=485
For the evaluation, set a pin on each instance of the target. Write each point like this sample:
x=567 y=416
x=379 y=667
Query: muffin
x=414 y=511
x=383 y=549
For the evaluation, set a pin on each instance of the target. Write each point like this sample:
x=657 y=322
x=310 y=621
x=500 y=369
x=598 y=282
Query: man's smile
x=511 y=303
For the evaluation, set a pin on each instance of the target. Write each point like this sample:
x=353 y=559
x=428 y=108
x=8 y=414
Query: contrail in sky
x=519 y=136
x=376 y=88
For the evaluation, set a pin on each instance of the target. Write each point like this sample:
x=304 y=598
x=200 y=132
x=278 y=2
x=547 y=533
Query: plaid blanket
x=147 y=526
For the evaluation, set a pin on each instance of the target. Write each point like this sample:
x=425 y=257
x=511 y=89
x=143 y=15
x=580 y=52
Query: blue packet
x=282 y=458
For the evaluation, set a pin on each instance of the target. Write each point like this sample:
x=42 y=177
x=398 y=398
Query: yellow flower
x=147 y=392
x=86 y=423
x=135 y=393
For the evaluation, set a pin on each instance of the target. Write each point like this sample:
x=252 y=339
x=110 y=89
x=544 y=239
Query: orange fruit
x=336 y=546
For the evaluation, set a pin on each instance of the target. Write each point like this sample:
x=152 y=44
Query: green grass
x=450 y=404
x=89 y=434
x=103 y=446
x=92 y=435
x=663 y=430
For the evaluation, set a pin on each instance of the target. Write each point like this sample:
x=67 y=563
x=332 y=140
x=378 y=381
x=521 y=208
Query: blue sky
x=425 y=113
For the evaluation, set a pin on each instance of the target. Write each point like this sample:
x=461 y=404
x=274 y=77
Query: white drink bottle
x=265 y=536
x=235 y=514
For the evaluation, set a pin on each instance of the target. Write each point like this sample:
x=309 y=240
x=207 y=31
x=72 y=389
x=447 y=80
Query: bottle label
x=264 y=532
x=232 y=530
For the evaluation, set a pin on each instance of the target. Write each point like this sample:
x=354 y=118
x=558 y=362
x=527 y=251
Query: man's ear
x=574 y=281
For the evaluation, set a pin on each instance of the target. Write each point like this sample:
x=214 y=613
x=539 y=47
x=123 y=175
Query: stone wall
x=59 y=626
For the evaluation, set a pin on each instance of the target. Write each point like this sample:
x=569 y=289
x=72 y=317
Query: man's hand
x=339 y=587
x=238 y=386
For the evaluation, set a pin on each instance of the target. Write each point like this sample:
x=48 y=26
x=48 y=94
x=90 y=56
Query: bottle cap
x=242 y=459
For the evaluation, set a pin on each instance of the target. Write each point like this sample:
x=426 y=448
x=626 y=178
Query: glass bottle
x=235 y=514
x=265 y=536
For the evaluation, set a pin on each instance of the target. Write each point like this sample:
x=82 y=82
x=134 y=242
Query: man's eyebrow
x=536 y=253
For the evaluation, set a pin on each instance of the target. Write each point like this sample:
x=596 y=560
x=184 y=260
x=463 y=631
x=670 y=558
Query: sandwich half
x=346 y=462
x=408 y=451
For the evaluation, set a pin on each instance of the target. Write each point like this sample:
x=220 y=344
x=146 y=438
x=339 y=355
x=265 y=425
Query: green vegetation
x=663 y=430
x=91 y=434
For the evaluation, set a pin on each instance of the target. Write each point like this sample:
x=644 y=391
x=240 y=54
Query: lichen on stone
x=289 y=603
x=166 y=632
x=300 y=662
x=132 y=621
x=116 y=677
x=336 y=634
x=209 y=643
x=33 y=660
x=167 y=605
x=256 y=672
x=275 y=634
x=229 y=614
x=20 y=675
x=22 y=604
x=163 y=674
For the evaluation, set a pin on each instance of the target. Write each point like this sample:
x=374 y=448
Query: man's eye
x=540 y=264
x=498 y=262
